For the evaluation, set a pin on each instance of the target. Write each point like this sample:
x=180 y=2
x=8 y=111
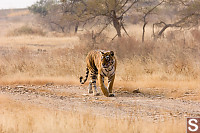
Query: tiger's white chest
x=107 y=72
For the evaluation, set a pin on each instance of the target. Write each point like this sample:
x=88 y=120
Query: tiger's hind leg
x=93 y=77
x=90 y=88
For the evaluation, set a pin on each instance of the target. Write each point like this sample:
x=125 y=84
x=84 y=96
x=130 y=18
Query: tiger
x=102 y=64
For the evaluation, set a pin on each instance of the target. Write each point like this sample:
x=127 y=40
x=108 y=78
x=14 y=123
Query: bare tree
x=187 y=16
x=112 y=10
x=147 y=11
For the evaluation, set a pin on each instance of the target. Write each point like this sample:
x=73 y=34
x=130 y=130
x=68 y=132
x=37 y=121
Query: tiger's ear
x=111 y=53
x=102 y=52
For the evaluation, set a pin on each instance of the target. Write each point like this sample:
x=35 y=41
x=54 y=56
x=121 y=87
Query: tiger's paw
x=111 y=95
x=96 y=94
x=90 y=91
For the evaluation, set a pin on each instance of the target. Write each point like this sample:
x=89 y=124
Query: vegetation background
x=156 y=43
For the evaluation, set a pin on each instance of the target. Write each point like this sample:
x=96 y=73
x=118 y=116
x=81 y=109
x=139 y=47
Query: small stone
x=61 y=97
x=20 y=86
x=49 y=84
x=136 y=91
x=85 y=95
x=125 y=91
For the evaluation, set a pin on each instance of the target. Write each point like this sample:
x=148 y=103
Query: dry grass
x=21 y=118
x=18 y=13
x=164 y=64
x=185 y=90
x=38 y=80
x=168 y=63
x=26 y=30
x=38 y=42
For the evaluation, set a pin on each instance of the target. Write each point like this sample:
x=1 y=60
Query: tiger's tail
x=86 y=76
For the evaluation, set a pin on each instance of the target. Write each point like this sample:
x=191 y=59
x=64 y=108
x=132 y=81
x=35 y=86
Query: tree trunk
x=143 y=32
x=116 y=24
x=76 y=27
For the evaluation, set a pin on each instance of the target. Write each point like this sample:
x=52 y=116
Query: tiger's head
x=107 y=58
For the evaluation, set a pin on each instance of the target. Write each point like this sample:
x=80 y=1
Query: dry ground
x=136 y=107
x=67 y=97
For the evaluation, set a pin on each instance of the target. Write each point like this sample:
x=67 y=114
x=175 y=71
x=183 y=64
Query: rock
x=49 y=84
x=136 y=91
x=96 y=98
x=62 y=97
x=126 y=92
x=85 y=95
x=19 y=86
x=187 y=93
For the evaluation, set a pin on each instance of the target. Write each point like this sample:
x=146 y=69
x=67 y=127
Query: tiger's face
x=107 y=59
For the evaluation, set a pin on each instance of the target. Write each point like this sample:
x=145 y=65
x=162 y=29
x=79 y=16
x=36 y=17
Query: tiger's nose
x=107 y=58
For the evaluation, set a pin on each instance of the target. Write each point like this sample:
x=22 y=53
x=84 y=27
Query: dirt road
x=124 y=104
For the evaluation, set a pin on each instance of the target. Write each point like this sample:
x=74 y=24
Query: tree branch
x=135 y=1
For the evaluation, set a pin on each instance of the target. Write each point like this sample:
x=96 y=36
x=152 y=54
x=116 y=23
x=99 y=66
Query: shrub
x=26 y=30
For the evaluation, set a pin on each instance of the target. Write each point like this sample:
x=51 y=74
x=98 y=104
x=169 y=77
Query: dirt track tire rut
x=67 y=97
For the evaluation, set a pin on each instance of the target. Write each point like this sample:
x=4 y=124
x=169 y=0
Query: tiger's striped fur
x=103 y=64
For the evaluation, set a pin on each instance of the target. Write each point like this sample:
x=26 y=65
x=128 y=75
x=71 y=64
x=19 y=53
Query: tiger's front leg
x=103 y=88
x=92 y=84
x=110 y=85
